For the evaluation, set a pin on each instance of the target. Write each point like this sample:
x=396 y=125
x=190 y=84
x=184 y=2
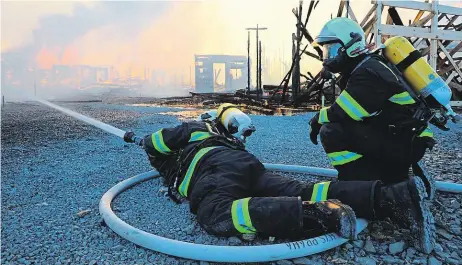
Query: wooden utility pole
x=260 y=91
x=258 y=79
x=248 y=63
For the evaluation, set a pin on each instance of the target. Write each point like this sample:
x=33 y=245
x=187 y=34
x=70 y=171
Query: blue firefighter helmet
x=341 y=33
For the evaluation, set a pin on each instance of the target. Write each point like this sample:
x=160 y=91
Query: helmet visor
x=330 y=50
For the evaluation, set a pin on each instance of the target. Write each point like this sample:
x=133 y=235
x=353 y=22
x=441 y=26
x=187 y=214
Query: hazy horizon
x=156 y=35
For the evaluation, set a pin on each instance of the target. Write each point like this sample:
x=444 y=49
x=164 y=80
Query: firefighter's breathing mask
x=341 y=39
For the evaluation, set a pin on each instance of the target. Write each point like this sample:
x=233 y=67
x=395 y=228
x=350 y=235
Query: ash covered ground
x=54 y=166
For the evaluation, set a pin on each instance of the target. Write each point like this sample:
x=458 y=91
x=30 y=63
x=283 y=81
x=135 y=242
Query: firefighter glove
x=315 y=127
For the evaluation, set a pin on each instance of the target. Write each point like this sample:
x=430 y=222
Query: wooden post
x=433 y=29
x=258 y=84
x=248 y=63
x=296 y=53
x=378 y=22
x=257 y=87
x=260 y=89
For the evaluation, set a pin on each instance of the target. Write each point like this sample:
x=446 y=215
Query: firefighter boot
x=406 y=205
x=418 y=169
x=328 y=216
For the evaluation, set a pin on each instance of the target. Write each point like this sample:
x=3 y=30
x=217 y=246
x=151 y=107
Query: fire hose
x=230 y=253
x=187 y=250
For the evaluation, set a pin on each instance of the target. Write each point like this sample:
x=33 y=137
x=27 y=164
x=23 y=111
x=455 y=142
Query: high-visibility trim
x=351 y=107
x=402 y=98
x=241 y=216
x=426 y=133
x=320 y=191
x=343 y=157
x=159 y=144
x=323 y=116
x=197 y=136
x=183 y=189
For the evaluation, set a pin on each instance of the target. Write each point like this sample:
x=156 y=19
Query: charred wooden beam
x=313 y=55
x=315 y=5
x=395 y=16
x=455 y=86
x=371 y=11
x=340 y=8
x=310 y=39
x=449 y=57
x=451 y=53
x=284 y=91
x=419 y=14
x=310 y=9
x=306 y=77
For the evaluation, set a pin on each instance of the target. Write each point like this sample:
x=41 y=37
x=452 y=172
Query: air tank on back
x=419 y=74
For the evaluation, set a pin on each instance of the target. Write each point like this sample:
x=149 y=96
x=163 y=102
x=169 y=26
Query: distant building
x=60 y=72
x=205 y=76
x=102 y=74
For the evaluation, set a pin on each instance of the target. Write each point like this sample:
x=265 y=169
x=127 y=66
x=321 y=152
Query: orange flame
x=46 y=58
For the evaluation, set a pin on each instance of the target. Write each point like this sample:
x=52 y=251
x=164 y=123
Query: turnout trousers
x=234 y=195
x=361 y=151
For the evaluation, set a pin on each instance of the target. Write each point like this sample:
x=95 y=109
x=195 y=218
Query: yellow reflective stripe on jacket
x=183 y=189
x=241 y=216
x=323 y=116
x=427 y=133
x=320 y=191
x=158 y=142
x=402 y=99
x=197 y=136
x=343 y=157
x=351 y=107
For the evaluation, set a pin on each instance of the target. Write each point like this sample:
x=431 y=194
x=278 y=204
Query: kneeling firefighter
x=377 y=128
x=205 y=161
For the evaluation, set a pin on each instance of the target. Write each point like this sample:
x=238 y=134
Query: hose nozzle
x=130 y=137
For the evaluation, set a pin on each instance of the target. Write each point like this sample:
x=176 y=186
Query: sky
x=160 y=35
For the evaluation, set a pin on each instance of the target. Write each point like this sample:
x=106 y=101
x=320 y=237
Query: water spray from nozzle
x=128 y=136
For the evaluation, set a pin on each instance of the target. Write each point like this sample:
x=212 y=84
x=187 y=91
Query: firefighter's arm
x=365 y=95
x=166 y=141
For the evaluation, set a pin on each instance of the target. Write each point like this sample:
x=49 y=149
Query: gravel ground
x=54 y=167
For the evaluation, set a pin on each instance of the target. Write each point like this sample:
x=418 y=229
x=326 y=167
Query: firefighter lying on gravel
x=232 y=194
x=369 y=133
